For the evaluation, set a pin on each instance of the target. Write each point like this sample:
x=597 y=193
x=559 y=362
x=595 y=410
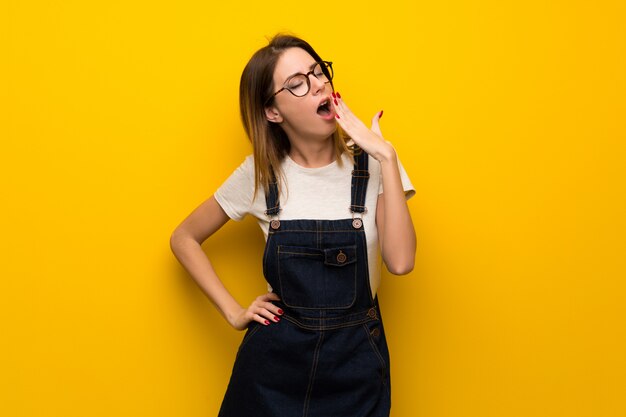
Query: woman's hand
x=370 y=140
x=260 y=310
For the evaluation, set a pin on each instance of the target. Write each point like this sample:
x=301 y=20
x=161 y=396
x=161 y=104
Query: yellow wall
x=119 y=117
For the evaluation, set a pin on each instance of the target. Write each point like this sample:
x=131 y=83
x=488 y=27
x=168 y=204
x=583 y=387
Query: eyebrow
x=296 y=73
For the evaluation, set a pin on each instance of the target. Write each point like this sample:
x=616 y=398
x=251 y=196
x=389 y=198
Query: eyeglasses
x=300 y=84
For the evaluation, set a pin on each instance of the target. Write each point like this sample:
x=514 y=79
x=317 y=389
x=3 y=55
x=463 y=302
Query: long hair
x=269 y=141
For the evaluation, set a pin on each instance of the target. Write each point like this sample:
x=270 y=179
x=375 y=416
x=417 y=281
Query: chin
x=331 y=129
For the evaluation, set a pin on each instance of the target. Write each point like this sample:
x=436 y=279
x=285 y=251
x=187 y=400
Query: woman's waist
x=329 y=318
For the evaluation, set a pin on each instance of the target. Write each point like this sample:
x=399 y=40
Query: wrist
x=387 y=155
x=233 y=315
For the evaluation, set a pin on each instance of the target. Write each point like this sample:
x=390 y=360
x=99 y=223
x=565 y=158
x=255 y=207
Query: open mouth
x=324 y=108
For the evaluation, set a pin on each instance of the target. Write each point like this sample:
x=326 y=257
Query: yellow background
x=118 y=118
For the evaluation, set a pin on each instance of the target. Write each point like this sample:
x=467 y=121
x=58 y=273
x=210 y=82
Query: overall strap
x=360 y=177
x=271 y=198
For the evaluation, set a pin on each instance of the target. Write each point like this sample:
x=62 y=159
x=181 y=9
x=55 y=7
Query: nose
x=316 y=84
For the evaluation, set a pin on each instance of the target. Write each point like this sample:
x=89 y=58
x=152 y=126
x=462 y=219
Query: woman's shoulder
x=248 y=162
x=246 y=167
x=241 y=176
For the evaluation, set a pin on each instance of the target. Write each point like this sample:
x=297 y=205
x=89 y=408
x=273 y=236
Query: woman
x=315 y=343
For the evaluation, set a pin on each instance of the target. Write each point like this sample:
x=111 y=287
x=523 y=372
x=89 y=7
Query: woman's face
x=302 y=118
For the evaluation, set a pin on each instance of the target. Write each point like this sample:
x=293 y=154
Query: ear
x=273 y=115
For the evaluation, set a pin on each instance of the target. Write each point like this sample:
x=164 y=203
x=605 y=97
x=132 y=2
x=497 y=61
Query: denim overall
x=328 y=355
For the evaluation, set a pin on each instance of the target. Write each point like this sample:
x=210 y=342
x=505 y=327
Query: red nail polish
x=333 y=94
x=267 y=322
x=276 y=318
x=337 y=116
x=338 y=95
x=380 y=114
x=280 y=311
x=335 y=102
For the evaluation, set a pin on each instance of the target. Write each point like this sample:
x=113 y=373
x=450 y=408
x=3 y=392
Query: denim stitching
x=315 y=231
x=376 y=351
x=360 y=177
x=327 y=327
x=307 y=399
x=353 y=265
x=367 y=271
x=247 y=338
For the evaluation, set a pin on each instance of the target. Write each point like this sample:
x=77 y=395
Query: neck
x=312 y=154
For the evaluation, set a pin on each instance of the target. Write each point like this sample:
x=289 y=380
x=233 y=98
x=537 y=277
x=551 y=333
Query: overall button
x=357 y=223
x=341 y=257
x=275 y=224
x=375 y=333
x=372 y=313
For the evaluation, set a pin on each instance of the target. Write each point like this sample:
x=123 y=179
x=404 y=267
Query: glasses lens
x=298 y=85
x=324 y=72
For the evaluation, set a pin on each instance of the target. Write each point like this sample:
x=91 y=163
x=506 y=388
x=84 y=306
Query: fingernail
x=267 y=322
x=333 y=94
x=280 y=311
x=337 y=116
x=276 y=318
x=335 y=100
x=338 y=95
x=380 y=114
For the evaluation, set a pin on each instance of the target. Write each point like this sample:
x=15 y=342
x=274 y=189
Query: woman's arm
x=396 y=233
x=185 y=242
x=393 y=220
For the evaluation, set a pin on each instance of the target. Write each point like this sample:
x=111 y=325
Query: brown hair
x=269 y=141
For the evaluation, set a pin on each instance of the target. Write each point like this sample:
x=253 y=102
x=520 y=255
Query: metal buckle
x=270 y=215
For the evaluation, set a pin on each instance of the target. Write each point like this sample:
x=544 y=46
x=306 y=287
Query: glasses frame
x=327 y=69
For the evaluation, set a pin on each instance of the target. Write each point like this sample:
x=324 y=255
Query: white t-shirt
x=313 y=194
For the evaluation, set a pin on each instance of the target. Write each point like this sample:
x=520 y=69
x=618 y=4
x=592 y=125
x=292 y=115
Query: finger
x=264 y=301
x=267 y=314
x=272 y=296
x=347 y=120
x=341 y=109
x=346 y=113
x=376 y=123
x=340 y=114
x=275 y=310
x=259 y=319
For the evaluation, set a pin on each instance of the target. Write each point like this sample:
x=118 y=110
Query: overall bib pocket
x=317 y=278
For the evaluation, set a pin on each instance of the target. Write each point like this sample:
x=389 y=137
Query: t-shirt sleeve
x=407 y=186
x=235 y=194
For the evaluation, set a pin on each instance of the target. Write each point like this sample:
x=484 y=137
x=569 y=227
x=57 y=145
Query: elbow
x=398 y=251
x=182 y=239
x=176 y=240
x=173 y=241
x=400 y=261
x=401 y=267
